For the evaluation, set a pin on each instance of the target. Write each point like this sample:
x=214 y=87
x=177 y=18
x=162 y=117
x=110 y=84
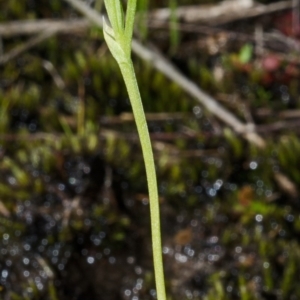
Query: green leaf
x=107 y=29
x=110 y=8
x=120 y=16
x=116 y=15
x=246 y=53
x=129 y=23
x=114 y=47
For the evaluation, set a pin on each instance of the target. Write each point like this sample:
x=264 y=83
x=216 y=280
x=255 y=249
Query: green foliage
x=246 y=53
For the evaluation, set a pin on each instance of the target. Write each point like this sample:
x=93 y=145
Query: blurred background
x=74 y=213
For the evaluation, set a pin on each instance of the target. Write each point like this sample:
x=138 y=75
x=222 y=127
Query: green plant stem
x=118 y=39
x=140 y=119
x=129 y=24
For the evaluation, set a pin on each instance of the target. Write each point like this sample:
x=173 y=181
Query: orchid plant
x=118 y=37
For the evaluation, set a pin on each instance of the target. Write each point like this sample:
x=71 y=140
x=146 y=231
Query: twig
x=271 y=40
x=44 y=35
x=226 y=11
x=17 y=28
x=280 y=125
x=287 y=114
x=69 y=206
x=198 y=13
x=4 y=210
x=285 y=184
x=88 y=12
x=259 y=40
x=48 y=66
x=46 y=267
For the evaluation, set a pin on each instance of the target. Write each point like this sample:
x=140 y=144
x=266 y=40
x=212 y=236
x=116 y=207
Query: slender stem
x=119 y=44
x=140 y=119
x=129 y=24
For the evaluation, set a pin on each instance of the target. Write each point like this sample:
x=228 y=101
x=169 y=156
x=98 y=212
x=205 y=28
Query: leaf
x=115 y=49
x=110 y=9
x=246 y=53
x=129 y=23
x=108 y=29
x=116 y=15
x=120 y=16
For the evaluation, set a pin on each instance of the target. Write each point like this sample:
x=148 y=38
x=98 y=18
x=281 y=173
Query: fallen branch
x=34 y=41
x=224 y=12
x=29 y=27
x=214 y=14
x=280 y=125
x=287 y=114
x=48 y=66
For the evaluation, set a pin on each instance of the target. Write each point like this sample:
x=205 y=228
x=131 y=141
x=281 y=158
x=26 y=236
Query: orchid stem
x=118 y=39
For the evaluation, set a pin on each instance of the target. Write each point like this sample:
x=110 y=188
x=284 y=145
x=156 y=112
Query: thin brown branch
x=4 y=210
x=34 y=41
x=30 y=27
x=128 y=117
x=198 y=13
x=48 y=66
x=278 y=126
x=224 y=12
x=272 y=41
x=286 y=114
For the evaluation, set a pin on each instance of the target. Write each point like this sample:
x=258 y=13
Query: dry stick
x=272 y=41
x=48 y=66
x=16 y=28
x=90 y=13
x=44 y=35
x=280 y=125
x=287 y=114
x=226 y=11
